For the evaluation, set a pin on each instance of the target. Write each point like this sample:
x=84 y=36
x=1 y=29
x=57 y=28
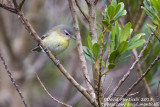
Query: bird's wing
x=45 y=35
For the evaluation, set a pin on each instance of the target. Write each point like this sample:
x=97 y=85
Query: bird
x=56 y=40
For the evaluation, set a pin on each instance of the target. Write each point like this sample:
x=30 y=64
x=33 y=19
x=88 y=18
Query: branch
x=21 y=4
x=83 y=13
x=155 y=34
x=138 y=81
x=12 y=80
x=131 y=68
x=54 y=99
x=11 y=9
x=80 y=50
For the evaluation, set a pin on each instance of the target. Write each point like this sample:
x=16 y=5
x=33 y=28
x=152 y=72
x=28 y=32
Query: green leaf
x=96 y=49
x=123 y=58
x=114 y=3
x=122 y=47
x=111 y=66
x=119 y=11
x=113 y=56
x=127 y=104
x=89 y=42
x=136 y=44
x=90 y=59
x=88 y=54
x=135 y=38
x=125 y=33
x=104 y=64
x=105 y=47
x=111 y=11
x=106 y=23
x=148 y=50
x=99 y=39
x=112 y=43
x=156 y=4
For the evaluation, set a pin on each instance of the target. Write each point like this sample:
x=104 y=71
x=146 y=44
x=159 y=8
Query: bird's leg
x=46 y=48
x=58 y=62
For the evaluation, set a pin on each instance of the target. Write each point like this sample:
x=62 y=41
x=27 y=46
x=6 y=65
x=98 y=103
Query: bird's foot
x=58 y=62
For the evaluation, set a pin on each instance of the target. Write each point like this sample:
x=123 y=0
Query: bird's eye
x=66 y=33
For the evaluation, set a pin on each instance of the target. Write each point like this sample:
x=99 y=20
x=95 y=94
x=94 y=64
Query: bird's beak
x=73 y=37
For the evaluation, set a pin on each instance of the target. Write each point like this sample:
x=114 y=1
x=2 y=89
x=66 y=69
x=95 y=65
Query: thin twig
x=131 y=68
x=21 y=4
x=155 y=34
x=83 y=13
x=13 y=81
x=108 y=86
x=80 y=50
x=53 y=98
x=138 y=81
x=11 y=9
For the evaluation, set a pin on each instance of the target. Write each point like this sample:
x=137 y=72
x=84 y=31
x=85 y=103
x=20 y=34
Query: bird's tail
x=38 y=49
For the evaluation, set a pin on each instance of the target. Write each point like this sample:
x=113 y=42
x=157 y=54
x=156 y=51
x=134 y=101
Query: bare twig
x=21 y=4
x=138 y=81
x=139 y=70
x=53 y=98
x=13 y=81
x=131 y=68
x=155 y=34
x=83 y=13
x=11 y=9
x=108 y=86
x=80 y=50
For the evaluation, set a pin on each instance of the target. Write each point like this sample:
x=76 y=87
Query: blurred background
x=16 y=45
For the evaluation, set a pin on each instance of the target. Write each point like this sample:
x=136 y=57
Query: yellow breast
x=56 y=43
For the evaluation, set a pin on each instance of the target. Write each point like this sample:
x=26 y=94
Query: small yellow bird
x=56 y=39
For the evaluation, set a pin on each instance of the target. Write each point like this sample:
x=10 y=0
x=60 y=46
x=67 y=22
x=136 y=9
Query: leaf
x=89 y=58
x=111 y=66
x=121 y=11
x=88 y=54
x=136 y=37
x=104 y=64
x=99 y=38
x=96 y=49
x=111 y=11
x=122 y=47
x=127 y=104
x=136 y=44
x=113 y=56
x=89 y=42
x=125 y=32
x=114 y=3
x=112 y=44
x=106 y=23
x=105 y=47
x=148 y=50
x=123 y=58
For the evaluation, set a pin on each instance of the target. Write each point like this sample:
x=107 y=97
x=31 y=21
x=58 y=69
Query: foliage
x=118 y=37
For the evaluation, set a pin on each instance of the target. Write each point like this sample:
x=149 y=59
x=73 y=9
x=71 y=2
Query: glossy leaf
x=96 y=49
x=122 y=47
x=136 y=44
x=111 y=66
x=112 y=43
x=113 y=56
x=136 y=37
x=114 y=3
x=89 y=42
x=111 y=11
x=125 y=33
